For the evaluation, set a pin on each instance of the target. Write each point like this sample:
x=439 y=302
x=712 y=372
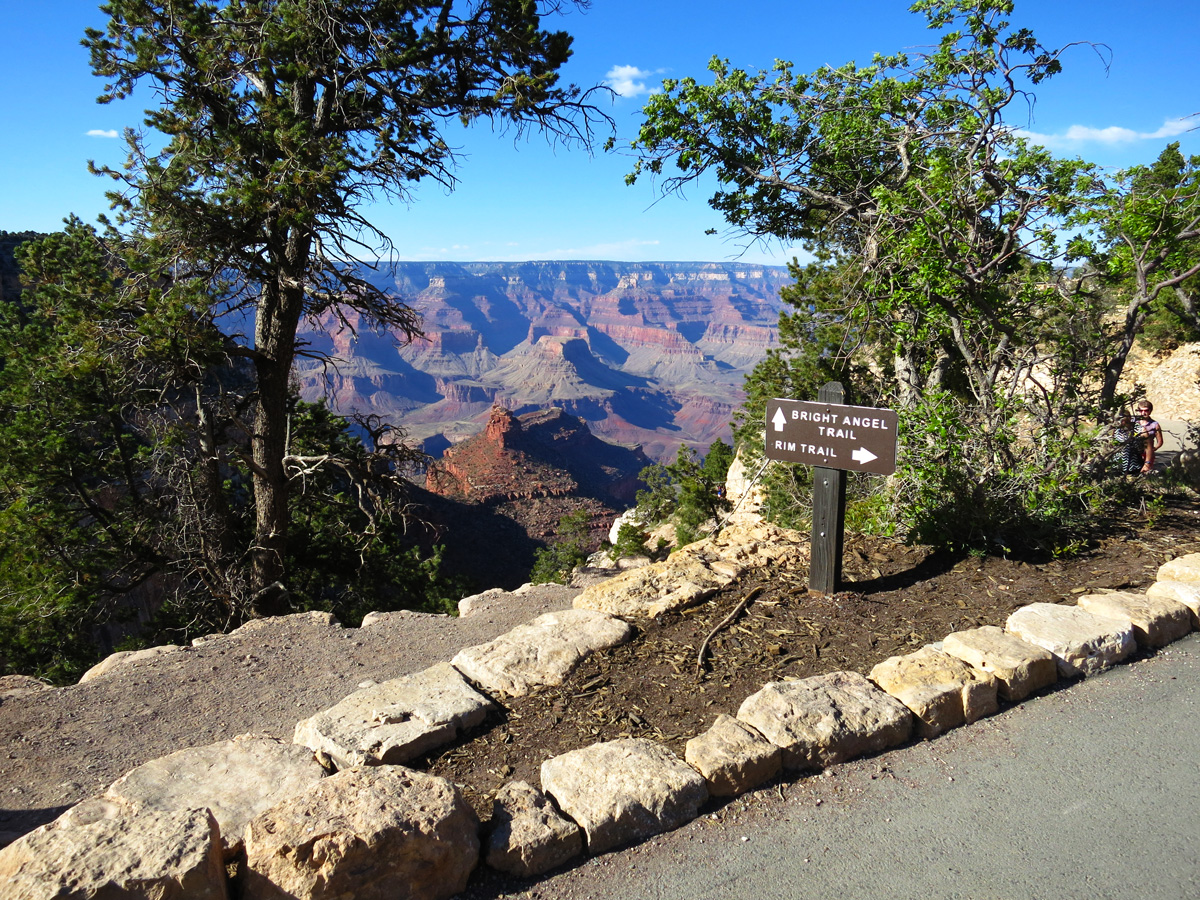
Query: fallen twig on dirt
x=729 y=618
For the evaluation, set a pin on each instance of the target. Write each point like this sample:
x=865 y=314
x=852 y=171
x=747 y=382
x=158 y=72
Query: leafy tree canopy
x=939 y=283
x=1140 y=235
x=554 y=564
x=281 y=120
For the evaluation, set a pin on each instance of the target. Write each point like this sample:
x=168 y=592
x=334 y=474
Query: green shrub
x=555 y=563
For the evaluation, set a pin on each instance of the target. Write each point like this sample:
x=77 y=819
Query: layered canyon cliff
x=651 y=354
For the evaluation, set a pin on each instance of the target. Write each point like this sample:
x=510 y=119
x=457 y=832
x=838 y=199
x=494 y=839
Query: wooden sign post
x=833 y=439
x=829 y=514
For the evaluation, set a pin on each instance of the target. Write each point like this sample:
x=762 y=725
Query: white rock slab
x=100 y=849
x=395 y=721
x=755 y=543
x=529 y=836
x=469 y=606
x=397 y=617
x=696 y=571
x=377 y=833
x=1183 y=568
x=629 y=517
x=1083 y=643
x=942 y=691
x=623 y=791
x=679 y=581
x=733 y=757
x=826 y=719
x=1184 y=592
x=1156 y=621
x=123 y=658
x=276 y=624
x=235 y=779
x=540 y=653
x=1019 y=667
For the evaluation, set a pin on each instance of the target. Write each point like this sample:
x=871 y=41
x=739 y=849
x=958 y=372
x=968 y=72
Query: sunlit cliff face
x=646 y=353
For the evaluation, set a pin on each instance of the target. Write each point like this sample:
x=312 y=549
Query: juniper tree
x=936 y=229
x=1141 y=236
x=279 y=122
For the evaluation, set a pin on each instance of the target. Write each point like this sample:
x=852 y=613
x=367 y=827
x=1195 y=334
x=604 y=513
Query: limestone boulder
x=754 y=543
x=123 y=659
x=744 y=491
x=1083 y=643
x=1182 y=568
x=696 y=571
x=529 y=836
x=469 y=606
x=1187 y=466
x=942 y=691
x=1019 y=668
x=631 y=562
x=623 y=791
x=101 y=849
x=679 y=581
x=372 y=833
x=274 y=625
x=733 y=757
x=393 y=722
x=1156 y=621
x=826 y=719
x=236 y=780
x=629 y=517
x=663 y=535
x=397 y=618
x=1184 y=592
x=540 y=653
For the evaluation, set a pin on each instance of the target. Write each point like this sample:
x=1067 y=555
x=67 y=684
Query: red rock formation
x=535 y=467
x=501 y=425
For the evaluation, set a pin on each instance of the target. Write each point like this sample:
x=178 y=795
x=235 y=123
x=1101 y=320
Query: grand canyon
x=649 y=354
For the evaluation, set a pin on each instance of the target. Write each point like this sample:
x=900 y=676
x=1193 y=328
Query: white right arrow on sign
x=779 y=419
x=862 y=456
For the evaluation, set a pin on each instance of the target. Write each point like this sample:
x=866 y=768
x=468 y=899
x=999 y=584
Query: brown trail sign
x=834 y=438
x=850 y=438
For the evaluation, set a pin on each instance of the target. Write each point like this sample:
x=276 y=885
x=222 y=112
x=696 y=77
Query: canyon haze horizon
x=651 y=354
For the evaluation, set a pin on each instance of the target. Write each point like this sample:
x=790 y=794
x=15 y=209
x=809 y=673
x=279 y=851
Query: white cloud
x=630 y=81
x=1113 y=135
x=100 y=132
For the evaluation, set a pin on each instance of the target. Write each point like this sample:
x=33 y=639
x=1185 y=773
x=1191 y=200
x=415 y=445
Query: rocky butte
x=646 y=353
x=533 y=469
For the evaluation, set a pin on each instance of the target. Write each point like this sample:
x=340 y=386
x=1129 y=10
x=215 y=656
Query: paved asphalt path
x=1091 y=791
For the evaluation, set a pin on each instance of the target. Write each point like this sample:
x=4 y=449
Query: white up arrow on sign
x=779 y=419
x=862 y=455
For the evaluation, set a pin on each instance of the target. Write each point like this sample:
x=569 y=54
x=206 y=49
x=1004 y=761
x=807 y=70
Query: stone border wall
x=379 y=829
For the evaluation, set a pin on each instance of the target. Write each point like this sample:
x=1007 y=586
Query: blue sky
x=527 y=200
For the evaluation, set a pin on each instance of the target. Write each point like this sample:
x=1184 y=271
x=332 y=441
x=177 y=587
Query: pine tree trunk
x=267 y=567
x=279 y=311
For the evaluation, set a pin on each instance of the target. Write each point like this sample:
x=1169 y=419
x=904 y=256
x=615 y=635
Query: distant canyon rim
x=649 y=354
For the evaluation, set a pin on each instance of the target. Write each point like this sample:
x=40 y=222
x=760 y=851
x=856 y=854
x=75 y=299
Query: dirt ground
x=60 y=746
x=897 y=599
